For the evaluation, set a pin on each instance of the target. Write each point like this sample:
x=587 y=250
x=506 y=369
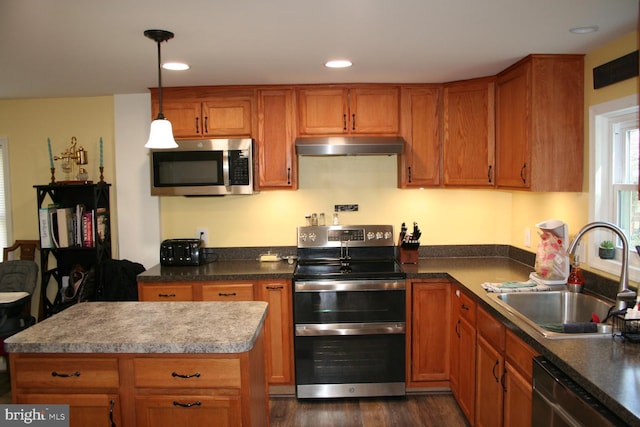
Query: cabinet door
x=468 y=134
x=165 y=292
x=278 y=331
x=517 y=398
x=191 y=410
x=374 y=111
x=430 y=331
x=419 y=166
x=227 y=292
x=226 y=116
x=513 y=113
x=185 y=117
x=489 y=388
x=84 y=409
x=322 y=111
x=467 y=368
x=276 y=155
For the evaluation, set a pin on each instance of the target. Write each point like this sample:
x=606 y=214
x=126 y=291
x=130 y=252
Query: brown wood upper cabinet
x=419 y=166
x=342 y=110
x=539 y=124
x=276 y=124
x=199 y=112
x=468 y=133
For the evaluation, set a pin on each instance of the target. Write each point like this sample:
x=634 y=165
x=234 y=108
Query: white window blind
x=5 y=197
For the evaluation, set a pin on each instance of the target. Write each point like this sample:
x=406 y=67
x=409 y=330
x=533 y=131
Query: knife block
x=408 y=255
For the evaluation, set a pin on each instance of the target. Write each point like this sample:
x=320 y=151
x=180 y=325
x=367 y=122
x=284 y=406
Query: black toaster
x=182 y=252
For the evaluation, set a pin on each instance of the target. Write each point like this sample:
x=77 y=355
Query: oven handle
x=349 y=285
x=375 y=328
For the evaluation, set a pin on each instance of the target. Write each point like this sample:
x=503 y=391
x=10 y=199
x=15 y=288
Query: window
x=5 y=196
x=614 y=180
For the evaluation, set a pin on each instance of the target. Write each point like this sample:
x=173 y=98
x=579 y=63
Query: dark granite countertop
x=220 y=270
x=608 y=368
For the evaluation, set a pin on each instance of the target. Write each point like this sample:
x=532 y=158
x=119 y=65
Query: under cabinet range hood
x=350 y=146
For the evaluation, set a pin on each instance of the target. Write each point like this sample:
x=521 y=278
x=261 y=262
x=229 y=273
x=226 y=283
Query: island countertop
x=145 y=327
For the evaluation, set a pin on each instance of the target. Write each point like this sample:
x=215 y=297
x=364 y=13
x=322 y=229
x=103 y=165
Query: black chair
x=18 y=280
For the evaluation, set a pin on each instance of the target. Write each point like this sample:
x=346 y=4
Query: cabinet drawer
x=467 y=308
x=186 y=372
x=520 y=354
x=172 y=292
x=491 y=329
x=234 y=292
x=67 y=373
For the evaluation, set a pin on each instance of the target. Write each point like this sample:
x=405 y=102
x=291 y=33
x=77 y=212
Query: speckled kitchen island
x=146 y=363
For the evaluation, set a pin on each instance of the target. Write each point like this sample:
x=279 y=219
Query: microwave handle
x=225 y=168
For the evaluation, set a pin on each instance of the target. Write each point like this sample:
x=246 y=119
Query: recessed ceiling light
x=175 y=66
x=338 y=63
x=584 y=30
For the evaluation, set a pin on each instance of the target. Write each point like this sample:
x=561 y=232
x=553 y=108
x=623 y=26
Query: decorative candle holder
x=53 y=176
x=101 y=175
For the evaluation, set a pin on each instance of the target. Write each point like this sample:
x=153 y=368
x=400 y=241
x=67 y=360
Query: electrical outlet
x=527 y=237
x=203 y=234
x=346 y=208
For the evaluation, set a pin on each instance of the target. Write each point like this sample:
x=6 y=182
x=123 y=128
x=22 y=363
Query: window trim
x=599 y=128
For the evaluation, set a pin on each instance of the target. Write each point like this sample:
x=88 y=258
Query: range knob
x=371 y=235
x=312 y=237
x=379 y=235
x=303 y=237
x=388 y=235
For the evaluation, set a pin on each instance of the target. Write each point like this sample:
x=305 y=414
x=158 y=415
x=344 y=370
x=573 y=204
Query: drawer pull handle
x=222 y=294
x=187 y=405
x=56 y=374
x=495 y=375
x=274 y=287
x=167 y=295
x=175 y=374
x=465 y=307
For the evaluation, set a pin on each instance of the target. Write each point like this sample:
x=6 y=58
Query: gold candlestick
x=53 y=176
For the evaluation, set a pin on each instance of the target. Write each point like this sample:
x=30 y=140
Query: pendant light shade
x=161 y=133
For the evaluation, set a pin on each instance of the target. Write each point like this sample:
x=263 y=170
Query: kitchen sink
x=558 y=314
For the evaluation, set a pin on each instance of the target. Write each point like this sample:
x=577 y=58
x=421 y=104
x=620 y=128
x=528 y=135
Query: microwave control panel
x=239 y=167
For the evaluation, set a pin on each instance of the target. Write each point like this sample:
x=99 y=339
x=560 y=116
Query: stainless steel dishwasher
x=558 y=401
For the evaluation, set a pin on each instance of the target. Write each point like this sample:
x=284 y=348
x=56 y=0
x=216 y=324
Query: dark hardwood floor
x=412 y=411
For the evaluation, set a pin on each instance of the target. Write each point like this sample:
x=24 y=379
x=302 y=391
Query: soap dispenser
x=575 y=282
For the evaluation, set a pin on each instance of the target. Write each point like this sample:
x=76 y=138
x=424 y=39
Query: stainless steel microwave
x=207 y=167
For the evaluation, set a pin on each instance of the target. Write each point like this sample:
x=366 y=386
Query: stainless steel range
x=349 y=313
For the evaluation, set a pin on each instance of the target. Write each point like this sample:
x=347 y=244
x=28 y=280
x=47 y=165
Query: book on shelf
x=64 y=219
x=45 y=229
x=101 y=223
x=88 y=231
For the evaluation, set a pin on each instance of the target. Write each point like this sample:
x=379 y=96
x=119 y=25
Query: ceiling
x=62 y=48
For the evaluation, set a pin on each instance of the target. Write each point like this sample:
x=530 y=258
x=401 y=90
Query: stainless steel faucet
x=624 y=293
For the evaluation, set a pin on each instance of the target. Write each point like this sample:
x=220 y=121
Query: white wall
x=138 y=227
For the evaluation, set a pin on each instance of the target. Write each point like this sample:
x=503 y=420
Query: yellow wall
x=573 y=208
x=27 y=123
x=270 y=218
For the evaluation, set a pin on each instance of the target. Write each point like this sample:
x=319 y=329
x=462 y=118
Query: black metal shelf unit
x=93 y=198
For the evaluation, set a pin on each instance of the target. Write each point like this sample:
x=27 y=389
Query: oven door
x=355 y=301
x=349 y=338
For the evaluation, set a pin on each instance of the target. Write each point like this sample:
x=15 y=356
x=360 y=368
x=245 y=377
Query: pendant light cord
x=160 y=114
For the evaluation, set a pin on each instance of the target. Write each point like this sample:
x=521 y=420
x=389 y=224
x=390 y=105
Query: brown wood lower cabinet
x=428 y=339
x=503 y=377
x=278 y=325
x=147 y=390
x=463 y=351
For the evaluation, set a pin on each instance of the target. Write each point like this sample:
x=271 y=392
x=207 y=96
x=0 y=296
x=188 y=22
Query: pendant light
x=161 y=133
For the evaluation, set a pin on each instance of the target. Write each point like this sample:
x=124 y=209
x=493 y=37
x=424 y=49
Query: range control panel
x=353 y=235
